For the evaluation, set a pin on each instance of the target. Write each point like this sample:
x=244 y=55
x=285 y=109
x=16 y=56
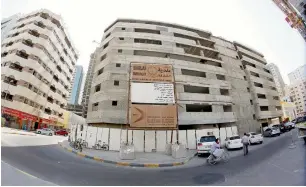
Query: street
x=274 y=164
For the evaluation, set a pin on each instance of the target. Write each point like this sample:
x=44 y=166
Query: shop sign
x=153 y=116
x=151 y=72
x=161 y=93
x=18 y=114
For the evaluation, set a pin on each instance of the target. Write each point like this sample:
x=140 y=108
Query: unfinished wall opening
x=224 y=91
x=193 y=73
x=275 y=98
x=227 y=108
x=147 y=41
x=264 y=108
x=98 y=88
x=196 y=89
x=254 y=74
x=114 y=103
x=151 y=31
x=261 y=96
x=198 y=108
x=220 y=77
x=278 y=108
x=116 y=83
x=258 y=85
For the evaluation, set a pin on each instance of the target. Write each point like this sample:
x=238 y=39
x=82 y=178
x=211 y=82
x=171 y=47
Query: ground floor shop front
x=20 y=120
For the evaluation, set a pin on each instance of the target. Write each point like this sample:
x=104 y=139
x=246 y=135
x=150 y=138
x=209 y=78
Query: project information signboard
x=158 y=93
x=153 y=116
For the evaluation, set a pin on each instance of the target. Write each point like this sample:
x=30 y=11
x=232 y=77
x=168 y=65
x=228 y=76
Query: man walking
x=245 y=142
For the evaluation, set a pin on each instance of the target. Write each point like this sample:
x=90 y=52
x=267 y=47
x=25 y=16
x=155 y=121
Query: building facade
x=7 y=24
x=216 y=86
x=298 y=74
x=300 y=7
x=74 y=93
x=298 y=95
x=37 y=60
x=278 y=79
x=88 y=83
x=75 y=108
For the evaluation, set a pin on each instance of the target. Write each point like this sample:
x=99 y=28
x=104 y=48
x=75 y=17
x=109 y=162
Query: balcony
x=269 y=114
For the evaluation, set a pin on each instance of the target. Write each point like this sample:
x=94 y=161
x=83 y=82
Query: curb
x=127 y=164
x=19 y=133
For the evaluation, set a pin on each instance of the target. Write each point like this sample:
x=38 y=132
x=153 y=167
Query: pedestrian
x=245 y=142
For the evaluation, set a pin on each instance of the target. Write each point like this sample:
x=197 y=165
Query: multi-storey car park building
x=218 y=83
x=37 y=60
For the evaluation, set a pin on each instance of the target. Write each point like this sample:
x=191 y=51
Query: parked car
x=271 y=131
x=255 y=138
x=62 y=132
x=289 y=126
x=204 y=144
x=45 y=131
x=233 y=142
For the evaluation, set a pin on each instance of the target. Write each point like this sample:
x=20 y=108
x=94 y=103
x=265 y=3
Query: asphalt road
x=53 y=164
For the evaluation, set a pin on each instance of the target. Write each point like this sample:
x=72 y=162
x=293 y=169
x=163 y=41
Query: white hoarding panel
x=152 y=93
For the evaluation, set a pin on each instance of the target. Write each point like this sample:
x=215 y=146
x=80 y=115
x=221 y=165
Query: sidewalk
x=142 y=159
x=7 y=130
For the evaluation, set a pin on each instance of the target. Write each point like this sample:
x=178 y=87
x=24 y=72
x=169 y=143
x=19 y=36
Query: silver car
x=45 y=131
x=271 y=131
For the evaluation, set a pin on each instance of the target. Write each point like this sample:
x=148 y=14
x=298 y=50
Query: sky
x=258 y=24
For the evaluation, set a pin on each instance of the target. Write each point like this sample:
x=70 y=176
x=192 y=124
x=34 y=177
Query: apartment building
x=37 y=59
x=298 y=74
x=216 y=86
x=298 y=95
x=278 y=79
x=74 y=92
x=88 y=83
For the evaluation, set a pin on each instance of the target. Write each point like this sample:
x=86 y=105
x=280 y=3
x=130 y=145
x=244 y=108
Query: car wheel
x=50 y=134
x=260 y=142
x=65 y=134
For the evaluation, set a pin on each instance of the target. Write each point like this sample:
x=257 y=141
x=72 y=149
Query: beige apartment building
x=37 y=63
x=218 y=83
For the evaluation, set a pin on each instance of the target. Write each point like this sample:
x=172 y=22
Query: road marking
x=20 y=170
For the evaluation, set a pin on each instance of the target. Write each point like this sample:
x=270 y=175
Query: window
x=22 y=54
x=114 y=103
x=105 y=46
x=95 y=106
x=224 y=91
x=278 y=108
x=6 y=96
x=220 y=77
x=119 y=50
x=52 y=88
x=196 y=89
x=227 y=108
x=251 y=101
x=254 y=74
x=28 y=43
x=264 y=108
x=47 y=111
x=4 y=54
x=147 y=41
x=258 y=85
x=147 y=31
x=241 y=67
x=254 y=117
x=244 y=77
x=50 y=99
x=193 y=73
x=102 y=57
x=100 y=71
x=121 y=38
x=198 y=108
x=261 y=96
x=16 y=66
x=276 y=98
x=98 y=88
x=107 y=35
x=118 y=65
x=123 y=28
x=116 y=83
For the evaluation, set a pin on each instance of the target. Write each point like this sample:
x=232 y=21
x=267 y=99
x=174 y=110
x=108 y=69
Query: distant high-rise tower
x=278 y=79
x=76 y=85
x=7 y=24
x=298 y=74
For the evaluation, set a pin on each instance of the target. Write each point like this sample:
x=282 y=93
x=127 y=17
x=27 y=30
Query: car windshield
x=234 y=138
x=274 y=128
x=208 y=139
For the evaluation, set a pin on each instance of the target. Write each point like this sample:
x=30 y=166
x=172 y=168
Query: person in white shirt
x=245 y=142
x=215 y=146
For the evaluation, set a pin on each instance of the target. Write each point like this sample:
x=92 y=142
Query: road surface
x=274 y=164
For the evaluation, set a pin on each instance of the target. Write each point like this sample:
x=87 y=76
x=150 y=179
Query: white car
x=45 y=131
x=204 y=144
x=233 y=142
x=271 y=131
x=255 y=138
